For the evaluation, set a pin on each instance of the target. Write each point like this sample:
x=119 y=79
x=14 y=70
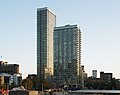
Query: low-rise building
x=9 y=75
x=106 y=77
x=23 y=92
x=9 y=68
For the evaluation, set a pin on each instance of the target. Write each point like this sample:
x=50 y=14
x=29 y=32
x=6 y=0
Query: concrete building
x=46 y=21
x=17 y=78
x=8 y=79
x=83 y=76
x=9 y=68
x=106 y=77
x=94 y=73
x=67 y=54
x=9 y=73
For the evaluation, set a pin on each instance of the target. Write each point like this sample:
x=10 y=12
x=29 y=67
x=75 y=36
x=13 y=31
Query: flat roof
x=46 y=8
x=66 y=27
x=96 y=91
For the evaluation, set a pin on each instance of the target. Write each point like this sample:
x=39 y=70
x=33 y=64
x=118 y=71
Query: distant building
x=106 y=77
x=1 y=80
x=92 y=83
x=9 y=79
x=67 y=54
x=94 y=73
x=10 y=73
x=9 y=68
x=3 y=62
x=83 y=76
x=83 y=68
x=105 y=82
x=6 y=78
x=46 y=21
x=17 y=78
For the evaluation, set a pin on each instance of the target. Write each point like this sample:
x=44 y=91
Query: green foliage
x=12 y=85
x=27 y=83
x=35 y=81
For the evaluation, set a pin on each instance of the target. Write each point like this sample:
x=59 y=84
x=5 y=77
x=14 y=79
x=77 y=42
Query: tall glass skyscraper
x=46 y=21
x=67 y=54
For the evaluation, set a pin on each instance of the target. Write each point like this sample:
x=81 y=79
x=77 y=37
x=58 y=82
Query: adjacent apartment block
x=67 y=54
x=46 y=21
x=106 y=77
x=9 y=68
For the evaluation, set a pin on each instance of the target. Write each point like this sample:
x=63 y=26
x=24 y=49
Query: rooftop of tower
x=67 y=26
x=45 y=8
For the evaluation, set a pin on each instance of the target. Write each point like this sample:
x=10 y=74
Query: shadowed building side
x=67 y=55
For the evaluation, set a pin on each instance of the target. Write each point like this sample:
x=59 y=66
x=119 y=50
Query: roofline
x=67 y=27
x=46 y=8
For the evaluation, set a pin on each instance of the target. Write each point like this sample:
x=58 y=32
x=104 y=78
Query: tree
x=12 y=85
x=27 y=83
x=35 y=81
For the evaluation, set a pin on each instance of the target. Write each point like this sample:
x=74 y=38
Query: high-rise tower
x=46 y=21
x=67 y=54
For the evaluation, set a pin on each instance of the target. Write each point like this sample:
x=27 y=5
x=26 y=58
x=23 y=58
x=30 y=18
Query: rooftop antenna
x=1 y=58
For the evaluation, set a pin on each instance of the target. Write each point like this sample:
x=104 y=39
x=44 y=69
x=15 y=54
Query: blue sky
x=99 y=21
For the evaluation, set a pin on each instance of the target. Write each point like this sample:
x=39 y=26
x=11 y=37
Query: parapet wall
x=23 y=92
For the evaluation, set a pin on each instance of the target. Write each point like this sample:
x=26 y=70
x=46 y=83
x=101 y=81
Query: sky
x=99 y=21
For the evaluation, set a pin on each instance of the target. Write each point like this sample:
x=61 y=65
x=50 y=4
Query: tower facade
x=67 y=54
x=94 y=73
x=46 y=21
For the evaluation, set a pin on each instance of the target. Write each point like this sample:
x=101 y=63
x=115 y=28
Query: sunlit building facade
x=67 y=54
x=46 y=21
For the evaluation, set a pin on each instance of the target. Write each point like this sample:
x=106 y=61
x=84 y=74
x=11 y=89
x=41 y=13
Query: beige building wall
x=1 y=80
x=50 y=29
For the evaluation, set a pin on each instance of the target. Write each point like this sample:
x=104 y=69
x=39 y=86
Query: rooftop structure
x=94 y=73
